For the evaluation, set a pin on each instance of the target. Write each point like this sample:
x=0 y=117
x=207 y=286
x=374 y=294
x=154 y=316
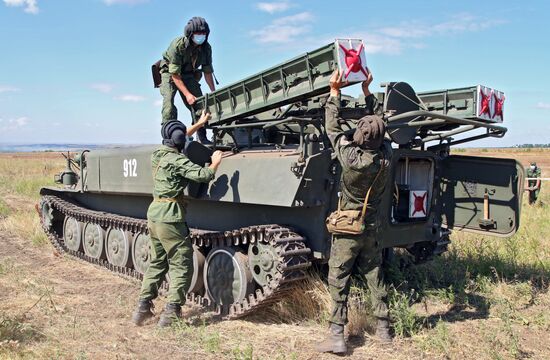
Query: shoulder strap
x=158 y=167
x=364 y=210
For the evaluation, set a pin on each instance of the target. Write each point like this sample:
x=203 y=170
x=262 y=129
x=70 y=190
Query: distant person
x=533 y=186
x=365 y=158
x=171 y=249
x=181 y=69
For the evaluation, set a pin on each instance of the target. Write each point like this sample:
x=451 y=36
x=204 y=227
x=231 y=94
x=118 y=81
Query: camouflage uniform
x=533 y=194
x=358 y=254
x=182 y=58
x=171 y=250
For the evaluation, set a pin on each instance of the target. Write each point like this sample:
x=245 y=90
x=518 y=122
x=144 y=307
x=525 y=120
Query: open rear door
x=481 y=195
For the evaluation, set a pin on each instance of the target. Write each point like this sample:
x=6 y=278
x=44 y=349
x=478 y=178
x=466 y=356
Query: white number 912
x=129 y=167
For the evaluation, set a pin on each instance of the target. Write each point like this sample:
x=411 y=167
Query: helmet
x=196 y=24
x=174 y=134
x=369 y=133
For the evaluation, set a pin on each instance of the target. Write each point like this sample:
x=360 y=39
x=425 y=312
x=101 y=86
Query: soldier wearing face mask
x=533 y=172
x=181 y=69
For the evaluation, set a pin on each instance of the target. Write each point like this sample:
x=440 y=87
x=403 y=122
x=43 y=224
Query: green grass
x=14 y=330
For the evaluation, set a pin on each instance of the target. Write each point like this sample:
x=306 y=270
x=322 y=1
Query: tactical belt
x=171 y=200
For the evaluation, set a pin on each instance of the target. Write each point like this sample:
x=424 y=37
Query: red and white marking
x=490 y=104
x=418 y=202
x=352 y=61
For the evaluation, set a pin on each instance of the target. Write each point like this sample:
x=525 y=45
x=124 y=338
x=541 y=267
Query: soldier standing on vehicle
x=364 y=159
x=181 y=68
x=171 y=248
x=533 y=186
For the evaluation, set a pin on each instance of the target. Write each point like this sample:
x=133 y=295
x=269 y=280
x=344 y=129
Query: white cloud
x=158 y=103
x=31 y=6
x=410 y=34
x=542 y=105
x=102 y=87
x=273 y=7
x=130 y=98
x=13 y=124
x=284 y=29
x=7 y=88
x=459 y=23
x=124 y=2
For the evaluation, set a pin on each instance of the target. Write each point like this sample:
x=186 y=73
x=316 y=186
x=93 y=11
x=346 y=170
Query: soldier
x=364 y=159
x=171 y=249
x=181 y=69
x=533 y=187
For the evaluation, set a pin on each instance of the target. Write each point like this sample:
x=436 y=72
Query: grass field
x=486 y=298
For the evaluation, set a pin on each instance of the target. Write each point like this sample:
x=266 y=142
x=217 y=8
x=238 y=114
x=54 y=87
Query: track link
x=292 y=253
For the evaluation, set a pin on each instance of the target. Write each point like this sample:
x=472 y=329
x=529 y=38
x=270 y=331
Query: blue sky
x=79 y=70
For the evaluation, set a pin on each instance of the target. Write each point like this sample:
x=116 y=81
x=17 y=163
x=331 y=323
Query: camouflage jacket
x=359 y=166
x=171 y=174
x=533 y=174
x=184 y=58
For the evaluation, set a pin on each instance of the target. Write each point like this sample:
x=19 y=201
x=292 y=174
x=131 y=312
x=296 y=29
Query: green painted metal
x=459 y=102
x=299 y=78
x=468 y=182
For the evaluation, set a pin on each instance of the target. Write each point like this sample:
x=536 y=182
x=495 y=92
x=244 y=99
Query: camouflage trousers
x=168 y=91
x=172 y=254
x=533 y=195
x=356 y=255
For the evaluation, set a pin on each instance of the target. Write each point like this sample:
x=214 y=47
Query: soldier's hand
x=190 y=99
x=335 y=82
x=365 y=84
x=205 y=117
x=216 y=157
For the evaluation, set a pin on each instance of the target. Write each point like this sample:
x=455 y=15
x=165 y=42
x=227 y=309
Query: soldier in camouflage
x=171 y=250
x=181 y=68
x=533 y=186
x=362 y=157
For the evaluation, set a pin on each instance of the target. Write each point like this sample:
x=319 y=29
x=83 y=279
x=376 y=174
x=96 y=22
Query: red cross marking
x=419 y=203
x=485 y=99
x=353 y=60
x=499 y=104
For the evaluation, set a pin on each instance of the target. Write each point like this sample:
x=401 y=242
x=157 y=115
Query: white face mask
x=199 y=39
x=533 y=167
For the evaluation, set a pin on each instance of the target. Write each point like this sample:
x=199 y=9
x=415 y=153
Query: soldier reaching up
x=171 y=248
x=364 y=159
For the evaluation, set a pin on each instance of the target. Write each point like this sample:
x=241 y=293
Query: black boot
x=201 y=133
x=142 y=312
x=335 y=342
x=383 y=331
x=171 y=312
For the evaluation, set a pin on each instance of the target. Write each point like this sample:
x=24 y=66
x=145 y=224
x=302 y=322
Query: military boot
x=335 y=342
x=171 y=312
x=383 y=331
x=201 y=134
x=142 y=312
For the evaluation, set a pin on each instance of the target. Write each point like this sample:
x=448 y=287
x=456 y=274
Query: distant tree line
x=529 y=146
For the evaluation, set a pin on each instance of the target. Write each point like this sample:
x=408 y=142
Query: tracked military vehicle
x=259 y=226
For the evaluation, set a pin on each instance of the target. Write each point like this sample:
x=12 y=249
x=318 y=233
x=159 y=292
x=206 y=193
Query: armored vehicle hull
x=259 y=226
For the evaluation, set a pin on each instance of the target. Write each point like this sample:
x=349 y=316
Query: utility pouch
x=346 y=222
x=155 y=69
